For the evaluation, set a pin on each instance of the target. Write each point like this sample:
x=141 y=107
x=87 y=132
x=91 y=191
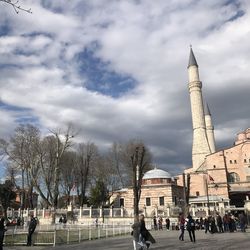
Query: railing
x=65 y=235
x=91 y=213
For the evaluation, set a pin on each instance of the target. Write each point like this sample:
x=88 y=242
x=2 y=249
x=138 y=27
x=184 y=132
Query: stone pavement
x=165 y=240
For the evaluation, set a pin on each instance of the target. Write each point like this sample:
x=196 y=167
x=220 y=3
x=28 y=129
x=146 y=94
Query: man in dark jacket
x=32 y=227
x=220 y=223
x=2 y=231
x=191 y=228
x=167 y=223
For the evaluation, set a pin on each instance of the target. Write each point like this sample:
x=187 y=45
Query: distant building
x=28 y=199
x=160 y=195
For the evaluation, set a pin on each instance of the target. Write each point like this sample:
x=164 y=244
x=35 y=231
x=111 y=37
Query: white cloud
x=146 y=40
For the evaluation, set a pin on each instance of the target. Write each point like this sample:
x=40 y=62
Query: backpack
x=190 y=224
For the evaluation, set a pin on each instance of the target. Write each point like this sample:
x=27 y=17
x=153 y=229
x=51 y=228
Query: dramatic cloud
x=118 y=70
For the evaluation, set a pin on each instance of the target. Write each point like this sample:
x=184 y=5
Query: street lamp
x=216 y=186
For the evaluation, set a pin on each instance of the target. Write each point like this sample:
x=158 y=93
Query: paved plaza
x=165 y=240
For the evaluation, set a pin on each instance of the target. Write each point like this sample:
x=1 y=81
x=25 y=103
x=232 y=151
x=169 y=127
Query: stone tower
x=200 y=147
x=209 y=129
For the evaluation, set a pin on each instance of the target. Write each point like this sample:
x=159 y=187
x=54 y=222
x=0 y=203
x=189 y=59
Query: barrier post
x=54 y=243
x=79 y=235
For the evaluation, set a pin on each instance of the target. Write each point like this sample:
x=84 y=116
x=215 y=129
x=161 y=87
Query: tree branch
x=16 y=6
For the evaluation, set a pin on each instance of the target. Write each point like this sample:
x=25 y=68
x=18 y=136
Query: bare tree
x=115 y=165
x=16 y=6
x=20 y=151
x=67 y=181
x=86 y=156
x=39 y=160
x=137 y=159
x=63 y=142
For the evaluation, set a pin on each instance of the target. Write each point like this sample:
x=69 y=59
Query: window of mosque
x=214 y=166
x=245 y=160
x=121 y=202
x=197 y=193
x=174 y=199
x=148 y=202
x=231 y=161
x=233 y=177
x=161 y=201
x=235 y=161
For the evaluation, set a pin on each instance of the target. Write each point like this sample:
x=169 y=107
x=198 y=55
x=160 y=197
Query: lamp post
x=208 y=205
x=216 y=188
x=137 y=174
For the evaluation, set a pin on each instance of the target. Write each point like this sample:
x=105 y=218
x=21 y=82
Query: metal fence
x=65 y=235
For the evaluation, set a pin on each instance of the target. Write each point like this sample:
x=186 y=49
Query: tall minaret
x=209 y=129
x=200 y=142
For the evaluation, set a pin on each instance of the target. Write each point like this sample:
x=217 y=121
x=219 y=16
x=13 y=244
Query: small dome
x=156 y=174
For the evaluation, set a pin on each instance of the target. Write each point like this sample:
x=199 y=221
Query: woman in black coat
x=145 y=236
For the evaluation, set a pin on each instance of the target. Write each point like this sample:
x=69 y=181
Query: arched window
x=233 y=177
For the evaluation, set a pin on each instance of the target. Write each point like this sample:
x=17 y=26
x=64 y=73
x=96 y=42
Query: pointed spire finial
x=192 y=60
x=206 y=109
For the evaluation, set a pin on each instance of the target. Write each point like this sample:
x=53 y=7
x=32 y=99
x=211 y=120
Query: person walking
x=206 y=225
x=2 y=231
x=191 y=228
x=220 y=223
x=160 y=220
x=145 y=236
x=182 y=226
x=141 y=235
x=243 y=221
x=31 y=230
x=226 y=222
x=155 y=223
x=167 y=223
x=213 y=226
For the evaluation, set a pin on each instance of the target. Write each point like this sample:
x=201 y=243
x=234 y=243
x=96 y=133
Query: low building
x=28 y=199
x=160 y=195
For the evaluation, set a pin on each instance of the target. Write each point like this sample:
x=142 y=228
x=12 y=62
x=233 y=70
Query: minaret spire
x=209 y=128
x=201 y=146
x=192 y=61
x=206 y=109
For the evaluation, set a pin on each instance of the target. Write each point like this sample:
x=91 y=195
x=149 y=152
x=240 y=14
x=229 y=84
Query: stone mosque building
x=160 y=195
x=221 y=175
x=220 y=178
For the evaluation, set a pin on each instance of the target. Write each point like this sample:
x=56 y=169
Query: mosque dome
x=156 y=174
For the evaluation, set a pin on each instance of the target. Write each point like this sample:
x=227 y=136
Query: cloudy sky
x=118 y=70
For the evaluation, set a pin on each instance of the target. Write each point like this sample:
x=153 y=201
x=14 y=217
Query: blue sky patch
x=23 y=114
x=100 y=78
x=239 y=14
x=12 y=107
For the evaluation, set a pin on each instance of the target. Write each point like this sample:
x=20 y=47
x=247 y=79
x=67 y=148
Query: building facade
x=223 y=175
x=160 y=195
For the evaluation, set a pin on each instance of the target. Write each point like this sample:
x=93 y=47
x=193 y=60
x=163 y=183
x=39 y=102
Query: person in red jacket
x=182 y=226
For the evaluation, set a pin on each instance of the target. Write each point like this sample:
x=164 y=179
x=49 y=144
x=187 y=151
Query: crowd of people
x=211 y=224
x=158 y=223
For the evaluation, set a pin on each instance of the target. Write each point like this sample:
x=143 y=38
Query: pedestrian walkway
x=165 y=240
